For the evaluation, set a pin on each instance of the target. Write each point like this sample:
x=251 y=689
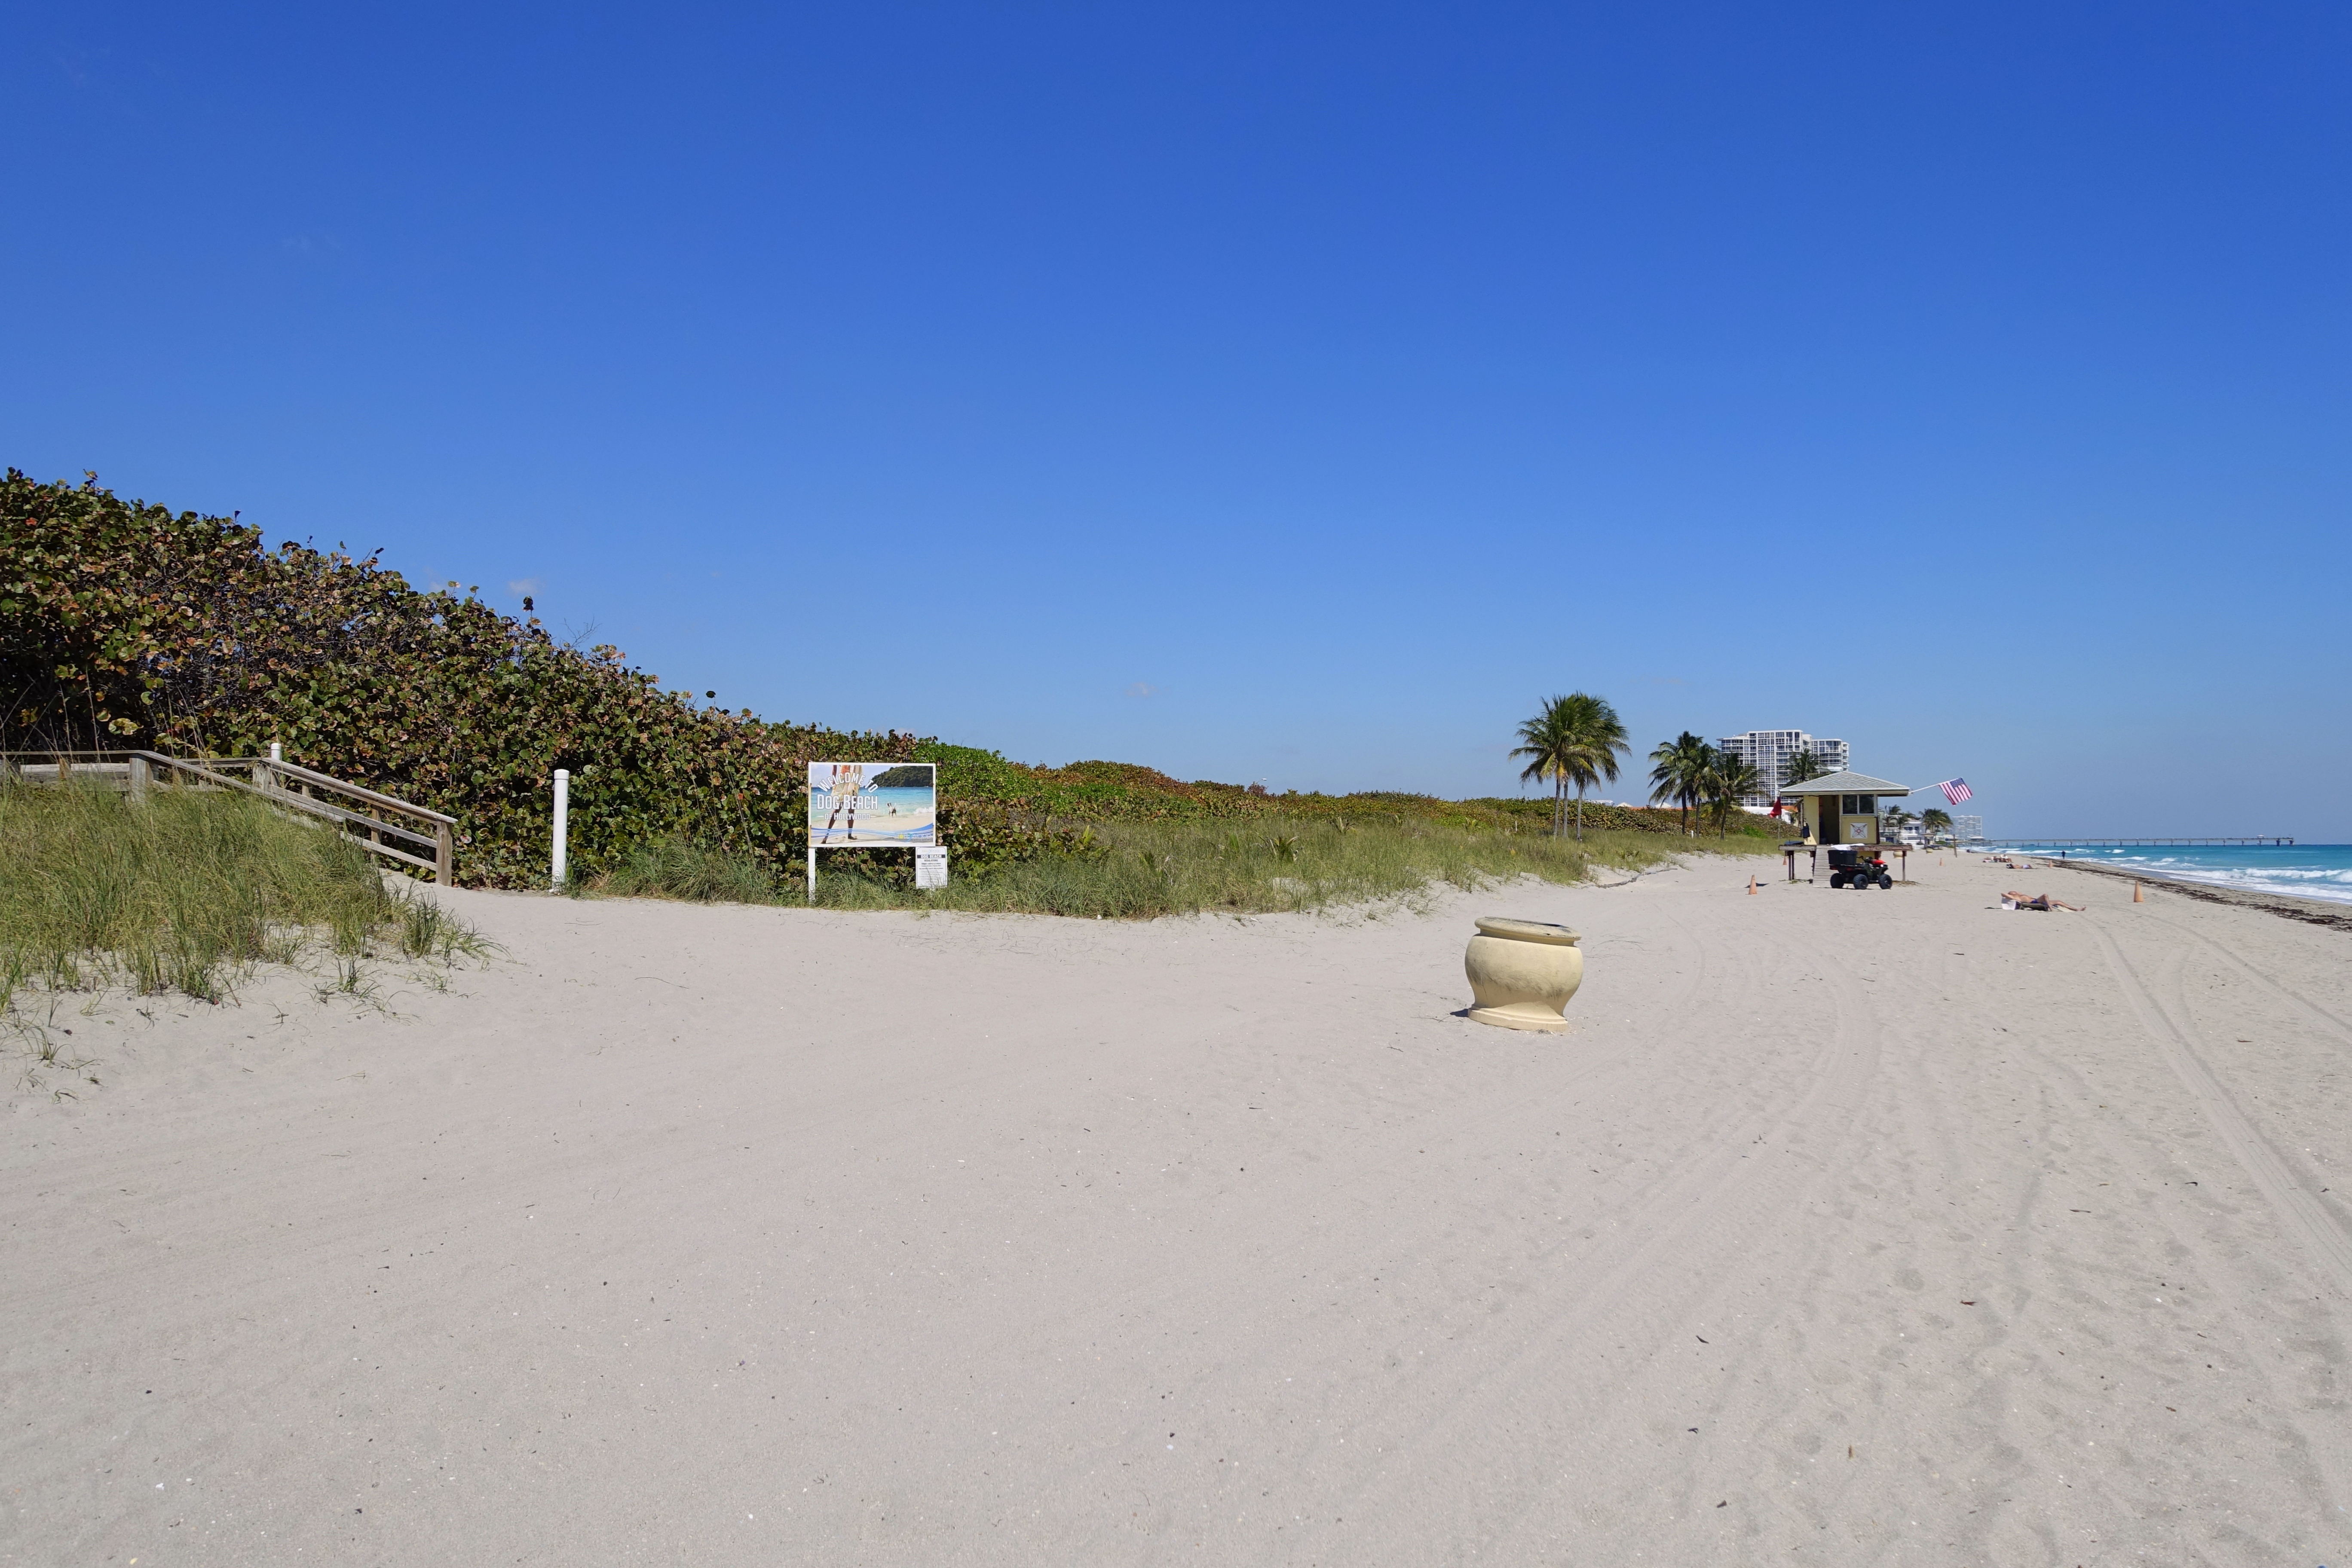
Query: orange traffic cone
x=2136 y=893
x=1752 y=886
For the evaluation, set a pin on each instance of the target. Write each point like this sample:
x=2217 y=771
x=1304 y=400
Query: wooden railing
x=282 y=783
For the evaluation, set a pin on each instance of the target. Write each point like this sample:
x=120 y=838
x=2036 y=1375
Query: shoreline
x=2313 y=911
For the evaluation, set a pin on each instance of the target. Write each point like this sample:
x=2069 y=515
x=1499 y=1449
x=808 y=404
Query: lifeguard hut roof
x=1845 y=783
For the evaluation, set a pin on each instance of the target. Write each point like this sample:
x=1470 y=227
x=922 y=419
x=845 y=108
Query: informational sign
x=879 y=805
x=932 y=867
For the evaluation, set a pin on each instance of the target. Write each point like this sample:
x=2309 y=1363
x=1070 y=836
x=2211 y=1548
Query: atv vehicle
x=1858 y=866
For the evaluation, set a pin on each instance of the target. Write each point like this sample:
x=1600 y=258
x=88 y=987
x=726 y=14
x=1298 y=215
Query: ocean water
x=2301 y=870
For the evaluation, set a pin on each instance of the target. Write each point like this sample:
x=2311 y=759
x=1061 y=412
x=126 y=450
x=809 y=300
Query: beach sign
x=872 y=805
x=930 y=868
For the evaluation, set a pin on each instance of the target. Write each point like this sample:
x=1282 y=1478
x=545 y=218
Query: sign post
x=875 y=805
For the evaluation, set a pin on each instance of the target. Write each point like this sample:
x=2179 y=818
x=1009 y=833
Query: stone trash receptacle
x=1522 y=973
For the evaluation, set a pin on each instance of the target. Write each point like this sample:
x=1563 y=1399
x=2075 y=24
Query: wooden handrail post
x=445 y=856
x=65 y=767
x=139 y=781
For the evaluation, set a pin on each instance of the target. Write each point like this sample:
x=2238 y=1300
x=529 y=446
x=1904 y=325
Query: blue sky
x=1270 y=391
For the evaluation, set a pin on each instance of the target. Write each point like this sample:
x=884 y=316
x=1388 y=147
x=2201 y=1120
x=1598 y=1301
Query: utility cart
x=1857 y=868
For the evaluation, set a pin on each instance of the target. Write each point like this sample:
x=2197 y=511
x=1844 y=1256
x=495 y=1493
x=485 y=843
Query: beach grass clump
x=1139 y=870
x=674 y=867
x=186 y=892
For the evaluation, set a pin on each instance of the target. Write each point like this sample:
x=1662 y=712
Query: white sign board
x=876 y=806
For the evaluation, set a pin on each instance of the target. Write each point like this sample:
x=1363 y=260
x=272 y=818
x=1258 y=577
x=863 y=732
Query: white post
x=812 y=875
x=277 y=755
x=562 y=820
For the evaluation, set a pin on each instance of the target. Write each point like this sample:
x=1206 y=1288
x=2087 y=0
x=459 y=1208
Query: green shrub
x=1101 y=792
x=126 y=625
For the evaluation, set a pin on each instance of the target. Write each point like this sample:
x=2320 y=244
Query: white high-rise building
x=1768 y=751
x=1969 y=829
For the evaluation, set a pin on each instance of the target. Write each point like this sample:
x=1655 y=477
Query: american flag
x=1956 y=790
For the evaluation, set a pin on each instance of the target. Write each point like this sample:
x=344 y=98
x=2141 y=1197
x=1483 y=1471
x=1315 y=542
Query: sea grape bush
x=1101 y=792
x=126 y=625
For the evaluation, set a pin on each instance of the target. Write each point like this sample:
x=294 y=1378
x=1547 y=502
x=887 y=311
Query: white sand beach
x=1859 y=1228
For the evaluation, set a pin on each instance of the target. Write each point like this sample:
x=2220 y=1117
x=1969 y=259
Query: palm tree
x=1600 y=735
x=1935 y=820
x=1678 y=772
x=1802 y=766
x=1549 y=743
x=1573 y=741
x=1730 y=779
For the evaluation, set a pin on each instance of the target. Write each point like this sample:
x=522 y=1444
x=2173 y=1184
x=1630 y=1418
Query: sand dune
x=1880 y=1228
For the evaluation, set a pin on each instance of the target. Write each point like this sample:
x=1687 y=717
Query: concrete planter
x=1522 y=973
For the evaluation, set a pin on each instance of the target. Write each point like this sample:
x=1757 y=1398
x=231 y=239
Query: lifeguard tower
x=1839 y=810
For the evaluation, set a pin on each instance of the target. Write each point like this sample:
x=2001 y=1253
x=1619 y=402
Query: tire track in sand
x=1496 y=1436
x=2298 y=1209
x=2325 y=1018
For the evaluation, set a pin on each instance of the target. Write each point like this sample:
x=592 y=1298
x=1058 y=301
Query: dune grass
x=186 y=892
x=676 y=869
x=1139 y=870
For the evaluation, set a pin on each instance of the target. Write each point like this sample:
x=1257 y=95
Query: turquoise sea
x=2301 y=870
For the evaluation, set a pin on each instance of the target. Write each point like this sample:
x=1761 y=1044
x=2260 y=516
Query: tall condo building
x=1769 y=750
